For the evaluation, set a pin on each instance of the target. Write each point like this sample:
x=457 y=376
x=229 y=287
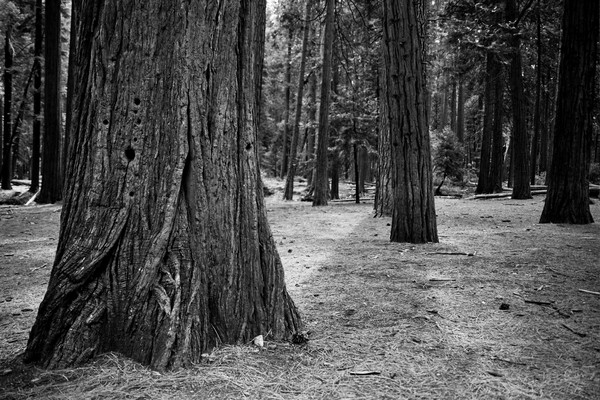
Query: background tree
x=37 y=98
x=293 y=158
x=164 y=248
x=9 y=52
x=51 y=189
x=568 y=192
x=521 y=187
x=321 y=180
x=404 y=90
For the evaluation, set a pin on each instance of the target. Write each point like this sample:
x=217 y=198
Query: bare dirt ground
x=386 y=320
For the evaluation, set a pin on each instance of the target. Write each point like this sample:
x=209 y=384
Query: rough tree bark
x=6 y=173
x=413 y=215
x=383 y=192
x=293 y=157
x=567 y=200
x=51 y=190
x=321 y=181
x=164 y=248
x=37 y=98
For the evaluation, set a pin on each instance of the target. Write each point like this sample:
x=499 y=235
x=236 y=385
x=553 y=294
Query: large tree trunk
x=6 y=173
x=568 y=193
x=522 y=186
x=321 y=181
x=37 y=98
x=52 y=184
x=310 y=131
x=413 y=215
x=293 y=160
x=164 y=248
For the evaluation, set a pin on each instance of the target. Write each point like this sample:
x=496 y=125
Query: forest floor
x=493 y=311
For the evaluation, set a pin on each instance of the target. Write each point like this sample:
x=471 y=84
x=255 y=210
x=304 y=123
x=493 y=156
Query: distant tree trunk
x=538 y=95
x=51 y=190
x=522 y=187
x=413 y=215
x=490 y=170
x=288 y=88
x=8 y=87
x=37 y=97
x=293 y=159
x=568 y=188
x=310 y=132
x=165 y=250
x=16 y=128
x=363 y=163
x=544 y=131
x=335 y=176
x=321 y=182
x=453 y=107
x=444 y=118
x=356 y=173
x=460 y=112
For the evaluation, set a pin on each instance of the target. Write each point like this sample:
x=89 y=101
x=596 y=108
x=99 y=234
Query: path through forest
x=495 y=310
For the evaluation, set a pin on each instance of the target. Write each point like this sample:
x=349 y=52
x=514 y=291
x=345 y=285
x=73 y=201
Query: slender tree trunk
x=356 y=173
x=288 y=91
x=522 y=187
x=498 y=145
x=51 y=190
x=335 y=176
x=484 y=184
x=545 y=123
x=568 y=188
x=37 y=98
x=164 y=249
x=8 y=87
x=16 y=128
x=293 y=160
x=460 y=113
x=413 y=215
x=310 y=132
x=538 y=95
x=453 y=107
x=321 y=182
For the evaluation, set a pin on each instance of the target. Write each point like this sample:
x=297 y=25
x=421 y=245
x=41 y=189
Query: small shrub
x=448 y=158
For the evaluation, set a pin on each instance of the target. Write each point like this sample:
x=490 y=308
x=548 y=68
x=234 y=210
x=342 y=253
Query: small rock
x=504 y=306
x=290 y=250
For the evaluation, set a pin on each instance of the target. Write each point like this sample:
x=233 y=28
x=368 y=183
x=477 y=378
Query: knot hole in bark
x=105 y=122
x=138 y=122
x=137 y=101
x=248 y=146
x=130 y=153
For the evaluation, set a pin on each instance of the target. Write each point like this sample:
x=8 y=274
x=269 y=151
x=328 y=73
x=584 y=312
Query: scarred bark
x=164 y=249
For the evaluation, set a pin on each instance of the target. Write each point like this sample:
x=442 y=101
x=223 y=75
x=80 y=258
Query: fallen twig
x=364 y=373
x=589 y=292
x=441 y=279
x=580 y=334
x=452 y=253
x=540 y=303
